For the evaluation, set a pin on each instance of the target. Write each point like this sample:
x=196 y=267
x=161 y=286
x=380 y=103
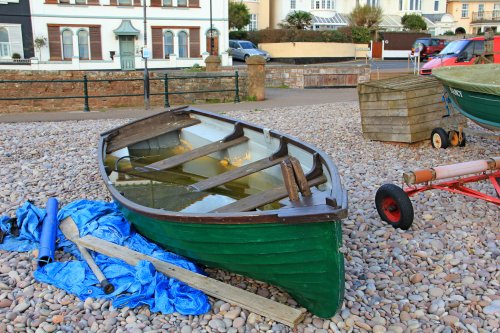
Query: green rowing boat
x=235 y=196
x=474 y=91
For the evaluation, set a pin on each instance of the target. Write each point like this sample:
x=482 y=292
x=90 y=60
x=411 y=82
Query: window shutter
x=113 y=2
x=156 y=35
x=194 y=3
x=137 y=2
x=93 y=2
x=95 y=43
x=54 y=43
x=51 y=1
x=155 y=3
x=194 y=43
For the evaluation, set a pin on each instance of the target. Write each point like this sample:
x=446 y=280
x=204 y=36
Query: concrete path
x=275 y=97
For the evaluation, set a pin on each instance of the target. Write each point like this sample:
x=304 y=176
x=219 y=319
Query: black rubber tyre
x=462 y=142
x=439 y=138
x=245 y=57
x=394 y=206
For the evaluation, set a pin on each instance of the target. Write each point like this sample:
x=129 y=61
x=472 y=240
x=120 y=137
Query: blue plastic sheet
x=134 y=285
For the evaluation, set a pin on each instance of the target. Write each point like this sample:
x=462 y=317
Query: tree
x=413 y=22
x=239 y=16
x=298 y=19
x=40 y=42
x=366 y=16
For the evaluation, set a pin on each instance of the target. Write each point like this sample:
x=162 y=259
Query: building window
x=183 y=44
x=182 y=3
x=67 y=41
x=81 y=2
x=168 y=43
x=411 y=4
x=4 y=43
x=293 y=4
x=252 y=26
x=325 y=4
x=496 y=11
x=83 y=44
x=373 y=3
x=436 y=5
x=400 y=5
x=465 y=10
x=480 y=10
x=167 y=3
x=124 y=2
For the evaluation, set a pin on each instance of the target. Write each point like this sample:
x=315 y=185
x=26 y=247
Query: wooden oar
x=255 y=303
x=70 y=231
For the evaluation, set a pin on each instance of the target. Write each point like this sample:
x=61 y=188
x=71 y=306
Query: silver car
x=242 y=49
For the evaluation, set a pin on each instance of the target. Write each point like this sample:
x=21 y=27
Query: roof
x=392 y=21
x=126 y=29
x=337 y=19
x=434 y=17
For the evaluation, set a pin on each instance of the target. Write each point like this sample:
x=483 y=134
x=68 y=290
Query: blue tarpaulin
x=134 y=285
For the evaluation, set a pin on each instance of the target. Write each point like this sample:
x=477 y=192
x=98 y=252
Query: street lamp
x=211 y=31
x=145 y=55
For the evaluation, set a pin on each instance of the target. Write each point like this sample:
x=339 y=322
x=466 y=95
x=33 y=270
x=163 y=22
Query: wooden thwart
x=236 y=173
x=262 y=198
x=148 y=131
x=195 y=153
x=300 y=177
x=255 y=303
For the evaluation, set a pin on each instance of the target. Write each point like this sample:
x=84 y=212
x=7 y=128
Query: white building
x=109 y=34
x=332 y=14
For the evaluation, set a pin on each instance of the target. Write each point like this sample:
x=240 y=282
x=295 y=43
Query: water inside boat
x=170 y=189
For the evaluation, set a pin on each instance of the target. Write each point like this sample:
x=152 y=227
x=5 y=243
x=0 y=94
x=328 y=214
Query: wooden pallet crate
x=402 y=109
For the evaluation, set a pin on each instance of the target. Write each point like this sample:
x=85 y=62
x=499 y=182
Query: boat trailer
x=393 y=203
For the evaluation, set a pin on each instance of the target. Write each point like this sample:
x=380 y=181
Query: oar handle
x=107 y=287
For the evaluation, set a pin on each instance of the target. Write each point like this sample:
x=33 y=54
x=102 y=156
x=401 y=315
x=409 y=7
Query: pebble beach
x=441 y=275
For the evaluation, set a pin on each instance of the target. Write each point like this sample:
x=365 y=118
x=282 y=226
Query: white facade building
x=109 y=34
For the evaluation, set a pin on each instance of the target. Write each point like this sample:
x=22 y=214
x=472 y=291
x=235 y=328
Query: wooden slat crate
x=402 y=109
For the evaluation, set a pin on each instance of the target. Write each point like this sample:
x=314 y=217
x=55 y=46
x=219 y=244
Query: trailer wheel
x=439 y=138
x=394 y=206
x=454 y=139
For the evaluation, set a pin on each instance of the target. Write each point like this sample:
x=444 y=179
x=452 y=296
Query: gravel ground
x=442 y=275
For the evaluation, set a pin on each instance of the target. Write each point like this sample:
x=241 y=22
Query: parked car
x=242 y=49
x=461 y=52
x=428 y=46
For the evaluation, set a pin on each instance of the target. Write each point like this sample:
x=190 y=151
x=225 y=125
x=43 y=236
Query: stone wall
x=132 y=85
x=313 y=76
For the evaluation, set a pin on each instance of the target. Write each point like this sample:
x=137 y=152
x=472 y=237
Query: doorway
x=127 y=52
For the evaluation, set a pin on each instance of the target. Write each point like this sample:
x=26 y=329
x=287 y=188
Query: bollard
x=237 y=87
x=85 y=94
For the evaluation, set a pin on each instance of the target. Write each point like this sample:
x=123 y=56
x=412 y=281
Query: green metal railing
x=166 y=92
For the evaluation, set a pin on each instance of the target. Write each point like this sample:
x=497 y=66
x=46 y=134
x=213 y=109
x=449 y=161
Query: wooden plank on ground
x=237 y=173
x=195 y=153
x=262 y=198
x=147 y=131
x=254 y=303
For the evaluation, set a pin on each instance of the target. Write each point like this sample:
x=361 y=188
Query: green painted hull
x=483 y=109
x=303 y=259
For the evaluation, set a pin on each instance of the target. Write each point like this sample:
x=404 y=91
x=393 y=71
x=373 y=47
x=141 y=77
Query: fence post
x=165 y=86
x=85 y=94
x=237 y=88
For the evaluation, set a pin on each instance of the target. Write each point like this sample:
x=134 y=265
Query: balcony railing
x=479 y=17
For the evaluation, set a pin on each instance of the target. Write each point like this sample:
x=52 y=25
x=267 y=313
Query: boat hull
x=295 y=244
x=303 y=259
x=483 y=109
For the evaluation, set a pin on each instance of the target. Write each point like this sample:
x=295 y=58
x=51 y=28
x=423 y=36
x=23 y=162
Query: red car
x=461 y=52
x=428 y=46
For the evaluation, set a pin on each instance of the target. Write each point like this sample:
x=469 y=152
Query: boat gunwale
x=309 y=214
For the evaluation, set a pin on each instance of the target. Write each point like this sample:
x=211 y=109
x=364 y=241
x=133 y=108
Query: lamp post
x=144 y=50
x=211 y=32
